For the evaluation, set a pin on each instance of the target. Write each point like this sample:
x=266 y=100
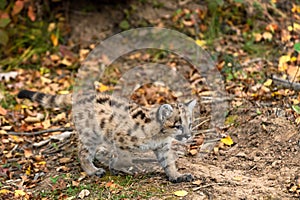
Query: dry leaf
x=201 y=43
x=181 y=193
x=282 y=66
x=18 y=6
x=19 y=193
x=227 y=140
x=197 y=182
x=65 y=160
x=54 y=39
x=28 y=153
x=237 y=178
x=267 y=36
x=193 y=152
x=2 y=111
x=4 y=191
x=28 y=171
x=51 y=27
x=84 y=193
x=268 y=83
x=31 y=13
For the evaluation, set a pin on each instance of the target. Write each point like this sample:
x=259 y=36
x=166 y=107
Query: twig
x=200 y=124
x=40 y=132
x=286 y=83
x=208 y=185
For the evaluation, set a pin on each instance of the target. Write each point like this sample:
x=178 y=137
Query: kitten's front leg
x=166 y=159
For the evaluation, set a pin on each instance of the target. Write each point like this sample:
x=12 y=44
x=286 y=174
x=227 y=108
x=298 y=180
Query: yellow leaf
x=181 y=193
x=51 y=27
x=54 y=39
x=295 y=8
x=201 y=43
x=293 y=59
x=268 y=83
x=64 y=92
x=282 y=66
x=19 y=193
x=16 y=138
x=42 y=163
x=297 y=120
x=4 y=191
x=296 y=27
x=101 y=87
x=28 y=171
x=227 y=140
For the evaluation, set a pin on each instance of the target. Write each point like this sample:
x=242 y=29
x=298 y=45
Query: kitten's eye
x=178 y=127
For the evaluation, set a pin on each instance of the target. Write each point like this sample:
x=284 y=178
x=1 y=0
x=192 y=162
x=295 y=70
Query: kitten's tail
x=47 y=100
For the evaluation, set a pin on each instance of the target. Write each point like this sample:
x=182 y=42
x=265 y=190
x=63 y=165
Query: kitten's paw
x=182 y=178
x=100 y=172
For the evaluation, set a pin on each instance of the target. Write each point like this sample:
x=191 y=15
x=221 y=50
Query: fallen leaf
x=4 y=191
x=28 y=171
x=54 y=39
x=65 y=160
x=268 y=83
x=297 y=120
x=237 y=178
x=19 y=193
x=181 y=193
x=28 y=153
x=201 y=43
x=197 y=182
x=2 y=111
x=31 y=14
x=227 y=140
x=282 y=66
x=267 y=36
x=18 y=6
x=83 y=193
x=16 y=138
x=51 y=27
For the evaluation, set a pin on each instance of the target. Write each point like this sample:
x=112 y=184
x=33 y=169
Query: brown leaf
x=28 y=153
x=18 y=6
x=193 y=152
x=31 y=13
x=65 y=160
x=2 y=111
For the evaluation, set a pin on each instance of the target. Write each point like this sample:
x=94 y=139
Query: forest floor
x=262 y=118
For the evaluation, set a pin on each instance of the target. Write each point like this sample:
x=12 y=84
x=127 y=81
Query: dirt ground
x=265 y=159
x=263 y=162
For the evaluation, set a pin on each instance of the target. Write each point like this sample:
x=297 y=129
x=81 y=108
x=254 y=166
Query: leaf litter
x=258 y=159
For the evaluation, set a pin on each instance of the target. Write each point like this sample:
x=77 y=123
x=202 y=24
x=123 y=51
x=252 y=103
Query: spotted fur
x=102 y=119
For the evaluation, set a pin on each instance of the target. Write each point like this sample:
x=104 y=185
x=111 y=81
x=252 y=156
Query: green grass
x=124 y=187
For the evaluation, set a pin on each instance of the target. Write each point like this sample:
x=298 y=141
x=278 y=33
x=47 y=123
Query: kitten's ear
x=191 y=105
x=164 y=112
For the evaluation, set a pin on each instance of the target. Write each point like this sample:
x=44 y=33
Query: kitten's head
x=176 y=119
